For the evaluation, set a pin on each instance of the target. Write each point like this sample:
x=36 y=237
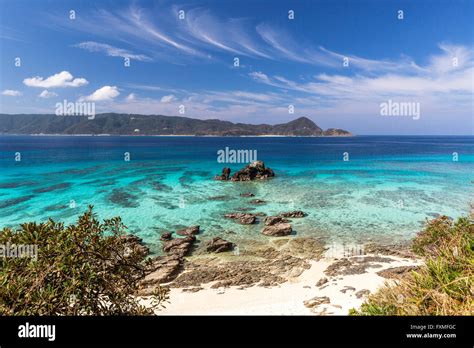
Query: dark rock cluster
x=253 y=171
x=242 y=218
x=218 y=245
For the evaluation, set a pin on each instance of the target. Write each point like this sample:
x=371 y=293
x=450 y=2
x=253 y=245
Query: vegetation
x=444 y=286
x=89 y=268
x=111 y=123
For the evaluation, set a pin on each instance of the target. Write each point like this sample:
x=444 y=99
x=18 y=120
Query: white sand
x=286 y=299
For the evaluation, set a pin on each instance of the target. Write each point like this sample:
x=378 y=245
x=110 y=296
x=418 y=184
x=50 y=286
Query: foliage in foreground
x=84 y=269
x=444 y=285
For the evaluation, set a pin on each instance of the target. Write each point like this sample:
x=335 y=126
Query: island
x=136 y=124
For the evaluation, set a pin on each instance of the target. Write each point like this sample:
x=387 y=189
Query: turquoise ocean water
x=385 y=191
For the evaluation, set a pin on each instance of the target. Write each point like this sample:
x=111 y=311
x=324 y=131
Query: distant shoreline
x=156 y=125
x=240 y=136
x=182 y=135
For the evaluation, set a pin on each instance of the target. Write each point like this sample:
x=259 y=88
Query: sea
x=354 y=190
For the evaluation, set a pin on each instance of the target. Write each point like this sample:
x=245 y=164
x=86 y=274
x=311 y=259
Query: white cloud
x=11 y=93
x=155 y=33
x=62 y=79
x=230 y=35
x=333 y=98
x=7 y=33
x=201 y=33
x=259 y=76
x=131 y=97
x=438 y=79
x=168 y=98
x=111 y=51
x=287 y=47
x=106 y=93
x=236 y=98
x=454 y=57
x=47 y=94
x=404 y=64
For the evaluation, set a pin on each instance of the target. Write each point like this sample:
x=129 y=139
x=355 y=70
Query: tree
x=87 y=268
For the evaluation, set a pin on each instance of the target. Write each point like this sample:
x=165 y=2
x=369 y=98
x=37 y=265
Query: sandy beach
x=297 y=296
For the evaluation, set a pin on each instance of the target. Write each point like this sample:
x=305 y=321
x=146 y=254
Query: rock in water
x=273 y=220
x=166 y=236
x=243 y=218
x=253 y=171
x=189 y=231
x=218 y=245
x=225 y=174
x=257 y=201
x=277 y=230
x=294 y=214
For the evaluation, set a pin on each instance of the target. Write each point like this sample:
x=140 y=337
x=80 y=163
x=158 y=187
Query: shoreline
x=299 y=277
x=300 y=295
x=182 y=135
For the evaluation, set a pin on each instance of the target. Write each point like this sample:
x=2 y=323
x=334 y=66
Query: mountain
x=301 y=126
x=128 y=124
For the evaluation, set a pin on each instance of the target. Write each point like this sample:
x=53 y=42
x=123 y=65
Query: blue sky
x=427 y=58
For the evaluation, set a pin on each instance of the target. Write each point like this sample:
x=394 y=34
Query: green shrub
x=444 y=285
x=88 y=268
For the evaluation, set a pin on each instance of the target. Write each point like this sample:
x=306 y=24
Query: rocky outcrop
x=242 y=218
x=402 y=249
x=225 y=174
x=397 y=272
x=257 y=201
x=166 y=236
x=277 y=230
x=162 y=269
x=305 y=247
x=347 y=288
x=362 y=293
x=193 y=289
x=218 y=245
x=135 y=244
x=273 y=220
x=316 y=301
x=293 y=214
x=188 y=231
x=179 y=246
x=261 y=264
x=322 y=281
x=247 y=194
x=355 y=265
x=254 y=171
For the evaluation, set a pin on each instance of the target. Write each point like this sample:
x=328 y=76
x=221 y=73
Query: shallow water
x=384 y=192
